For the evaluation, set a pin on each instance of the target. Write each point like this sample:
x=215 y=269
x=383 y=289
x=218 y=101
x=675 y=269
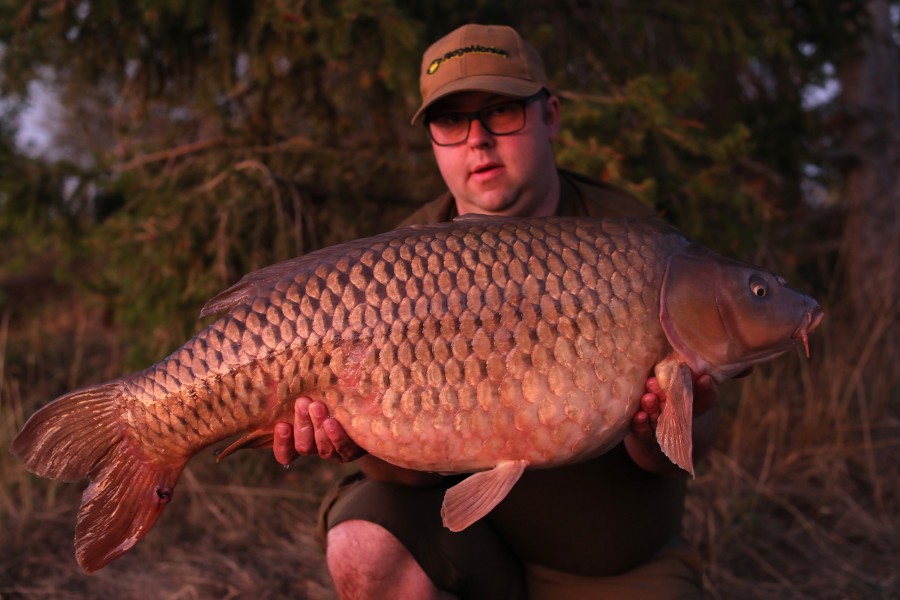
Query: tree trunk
x=871 y=237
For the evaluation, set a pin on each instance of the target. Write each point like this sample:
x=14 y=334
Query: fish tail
x=80 y=435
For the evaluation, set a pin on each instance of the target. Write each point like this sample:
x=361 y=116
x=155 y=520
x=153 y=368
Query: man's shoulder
x=442 y=208
x=580 y=196
x=595 y=198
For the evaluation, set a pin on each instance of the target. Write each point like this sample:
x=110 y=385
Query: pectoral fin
x=674 y=429
x=477 y=495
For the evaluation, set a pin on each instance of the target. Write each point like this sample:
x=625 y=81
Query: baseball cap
x=480 y=58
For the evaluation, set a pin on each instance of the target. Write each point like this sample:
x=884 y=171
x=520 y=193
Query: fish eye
x=758 y=286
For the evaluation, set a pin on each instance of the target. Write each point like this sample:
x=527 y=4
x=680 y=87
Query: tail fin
x=80 y=435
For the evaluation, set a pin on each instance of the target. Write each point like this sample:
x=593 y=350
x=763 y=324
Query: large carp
x=485 y=345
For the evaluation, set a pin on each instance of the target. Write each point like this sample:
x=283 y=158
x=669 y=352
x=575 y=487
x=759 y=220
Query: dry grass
x=241 y=529
x=800 y=499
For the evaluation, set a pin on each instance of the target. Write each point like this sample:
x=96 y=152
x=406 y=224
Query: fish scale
x=497 y=376
x=483 y=345
x=361 y=341
x=352 y=300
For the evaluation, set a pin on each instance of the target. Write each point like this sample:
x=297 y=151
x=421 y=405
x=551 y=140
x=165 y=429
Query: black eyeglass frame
x=478 y=114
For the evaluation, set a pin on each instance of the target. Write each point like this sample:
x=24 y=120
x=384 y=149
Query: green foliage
x=206 y=139
x=38 y=216
x=697 y=108
x=156 y=263
x=646 y=139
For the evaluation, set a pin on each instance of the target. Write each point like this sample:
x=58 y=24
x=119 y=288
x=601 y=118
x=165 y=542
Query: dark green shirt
x=603 y=516
x=579 y=196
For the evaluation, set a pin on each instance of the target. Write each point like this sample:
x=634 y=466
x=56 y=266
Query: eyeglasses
x=449 y=129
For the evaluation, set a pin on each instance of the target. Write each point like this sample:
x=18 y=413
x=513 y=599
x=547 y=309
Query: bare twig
x=171 y=153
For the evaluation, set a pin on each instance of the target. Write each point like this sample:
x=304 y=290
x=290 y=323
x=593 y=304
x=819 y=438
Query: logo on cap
x=460 y=52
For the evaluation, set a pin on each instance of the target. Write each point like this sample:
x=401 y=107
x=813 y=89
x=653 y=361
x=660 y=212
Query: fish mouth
x=811 y=320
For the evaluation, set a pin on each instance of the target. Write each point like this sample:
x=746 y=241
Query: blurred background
x=153 y=151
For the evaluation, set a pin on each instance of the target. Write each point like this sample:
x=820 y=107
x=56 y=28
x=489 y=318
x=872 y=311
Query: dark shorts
x=473 y=564
x=675 y=573
x=476 y=564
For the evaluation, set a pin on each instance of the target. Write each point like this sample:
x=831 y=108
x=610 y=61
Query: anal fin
x=474 y=497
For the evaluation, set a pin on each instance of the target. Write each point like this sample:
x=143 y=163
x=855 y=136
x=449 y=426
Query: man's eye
x=499 y=110
x=448 y=120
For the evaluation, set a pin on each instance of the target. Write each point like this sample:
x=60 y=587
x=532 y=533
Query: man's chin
x=497 y=210
x=490 y=203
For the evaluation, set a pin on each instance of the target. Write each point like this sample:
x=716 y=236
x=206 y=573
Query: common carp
x=485 y=345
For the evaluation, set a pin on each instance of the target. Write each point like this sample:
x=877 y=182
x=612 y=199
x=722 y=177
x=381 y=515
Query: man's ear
x=552 y=116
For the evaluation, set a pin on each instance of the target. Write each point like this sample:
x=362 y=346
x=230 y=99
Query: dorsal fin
x=250 y=284
x=256 y=283
x=477 y=217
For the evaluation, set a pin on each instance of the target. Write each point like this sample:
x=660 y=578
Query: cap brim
x=494 y=84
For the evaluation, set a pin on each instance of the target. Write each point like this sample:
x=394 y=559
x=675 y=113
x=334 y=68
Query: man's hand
x=643 y=424
x=313 y=432
x=641 y=442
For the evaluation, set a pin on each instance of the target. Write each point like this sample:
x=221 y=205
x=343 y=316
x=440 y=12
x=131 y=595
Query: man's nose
x=479 y=136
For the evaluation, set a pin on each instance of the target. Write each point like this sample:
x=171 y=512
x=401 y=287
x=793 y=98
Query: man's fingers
x=650 y=404
x=346 y=449
x=316 y=433
x=706 y=392
x=282 y=444
x=640 y=426
x=304 y=437
x=318 y=414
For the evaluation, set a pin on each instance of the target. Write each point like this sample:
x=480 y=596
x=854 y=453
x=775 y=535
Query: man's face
x=512 y=174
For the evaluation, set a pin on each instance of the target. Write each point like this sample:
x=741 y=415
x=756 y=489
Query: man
x=605 y=528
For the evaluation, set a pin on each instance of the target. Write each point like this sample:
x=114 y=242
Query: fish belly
x=557 y=411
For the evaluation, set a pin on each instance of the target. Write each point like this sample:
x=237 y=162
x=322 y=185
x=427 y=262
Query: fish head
x=723 y=316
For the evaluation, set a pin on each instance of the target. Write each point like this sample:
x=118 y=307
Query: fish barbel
x=485 y=345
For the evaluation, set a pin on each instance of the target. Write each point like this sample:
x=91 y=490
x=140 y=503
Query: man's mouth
x=485 y=168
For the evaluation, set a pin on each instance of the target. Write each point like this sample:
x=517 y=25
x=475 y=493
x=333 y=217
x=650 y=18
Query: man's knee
x=367 y=561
